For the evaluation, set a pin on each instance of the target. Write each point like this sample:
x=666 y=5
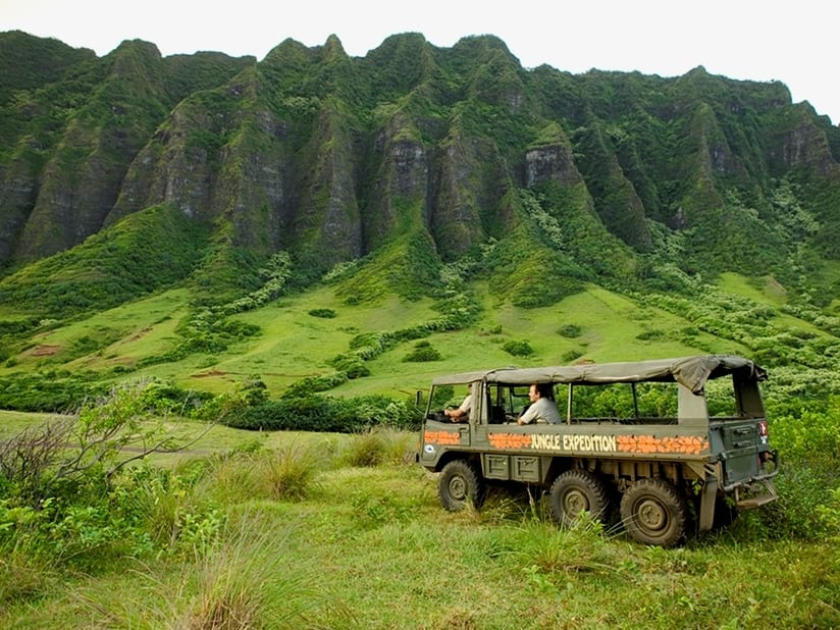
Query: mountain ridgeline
x=202 y=167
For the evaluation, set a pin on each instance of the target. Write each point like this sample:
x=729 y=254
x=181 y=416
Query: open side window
x=648 y=402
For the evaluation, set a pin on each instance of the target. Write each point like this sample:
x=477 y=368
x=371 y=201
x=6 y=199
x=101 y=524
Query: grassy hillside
x=299 y=336
x=138 y=255
x=294 y=344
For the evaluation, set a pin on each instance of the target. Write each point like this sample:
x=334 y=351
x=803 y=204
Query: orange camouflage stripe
x=687 y=444
x=442 y=437
x=509 y=440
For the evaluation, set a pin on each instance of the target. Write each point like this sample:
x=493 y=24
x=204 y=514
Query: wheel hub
x=457 y=488
x=651 y=515
x=575 y=502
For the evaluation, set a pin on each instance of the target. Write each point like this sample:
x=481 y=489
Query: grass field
x=370 y=547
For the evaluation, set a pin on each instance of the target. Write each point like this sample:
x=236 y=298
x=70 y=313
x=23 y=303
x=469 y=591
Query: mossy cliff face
x=333 y=158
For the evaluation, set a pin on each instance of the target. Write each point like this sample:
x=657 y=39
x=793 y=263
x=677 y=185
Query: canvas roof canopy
x=693 y=372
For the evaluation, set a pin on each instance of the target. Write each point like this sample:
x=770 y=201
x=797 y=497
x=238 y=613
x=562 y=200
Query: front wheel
x=460 y=484
x=654 y=513
x=575 y=492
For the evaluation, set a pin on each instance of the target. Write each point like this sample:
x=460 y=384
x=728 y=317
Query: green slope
x=296 y=343
x=145 y=252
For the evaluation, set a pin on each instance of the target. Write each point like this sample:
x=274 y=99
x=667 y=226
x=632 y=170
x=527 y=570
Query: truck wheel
x=459 y=485
x=577 y=491
x=653 y=512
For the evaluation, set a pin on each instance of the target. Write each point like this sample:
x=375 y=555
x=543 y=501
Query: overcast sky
x=764 y=40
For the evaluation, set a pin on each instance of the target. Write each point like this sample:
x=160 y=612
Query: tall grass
x=246 y=579
x=24 y=575
x=309 y=532
x=290 y=472
x=379 y=445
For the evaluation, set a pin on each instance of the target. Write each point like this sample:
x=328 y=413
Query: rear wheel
x=654 y=513
x=577 y=491
x=460 y=484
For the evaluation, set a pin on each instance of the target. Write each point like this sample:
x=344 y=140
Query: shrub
x=322 y=413
x=253 y=390
x=650 y=335
x=571 y=355
x=312 y=384
x=48 y=391
x=69 y=493
x=159 y=498
x=442 y=395
x=571 y=331
x=518 y=348
x=326 y=313
x=161 y=398
x=351 y=364
x=808 y=484
x=422 y=352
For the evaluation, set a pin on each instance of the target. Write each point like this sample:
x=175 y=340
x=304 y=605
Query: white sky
x=763 y=40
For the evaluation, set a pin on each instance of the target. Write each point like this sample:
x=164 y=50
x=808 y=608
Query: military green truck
x=674 y=446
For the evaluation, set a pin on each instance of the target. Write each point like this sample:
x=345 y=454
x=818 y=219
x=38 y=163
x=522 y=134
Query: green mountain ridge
x=451 y=180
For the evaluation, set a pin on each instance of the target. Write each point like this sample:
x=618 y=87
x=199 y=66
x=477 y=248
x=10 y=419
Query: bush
x=809 y=483
x=422 y=352
x=162 y=398
x=351 y=364
x=570 y=331
x=518 y=348
x=571 y=355
x=68 y=493
x=326 y=313
x=48 y=391
x=313 y=384
x=322 y=413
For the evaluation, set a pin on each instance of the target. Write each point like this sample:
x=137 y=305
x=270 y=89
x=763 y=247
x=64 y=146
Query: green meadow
x=293 y=344
x=338 y=531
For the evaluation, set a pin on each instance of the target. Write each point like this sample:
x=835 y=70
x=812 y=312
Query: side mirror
x=418 y=399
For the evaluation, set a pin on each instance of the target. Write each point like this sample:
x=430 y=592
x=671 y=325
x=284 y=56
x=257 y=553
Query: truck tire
x=577 y=491
x=460 y=484
x=654 y=513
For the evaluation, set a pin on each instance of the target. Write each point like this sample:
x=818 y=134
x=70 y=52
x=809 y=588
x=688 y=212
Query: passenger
x=461 y=413
x=542 y=409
